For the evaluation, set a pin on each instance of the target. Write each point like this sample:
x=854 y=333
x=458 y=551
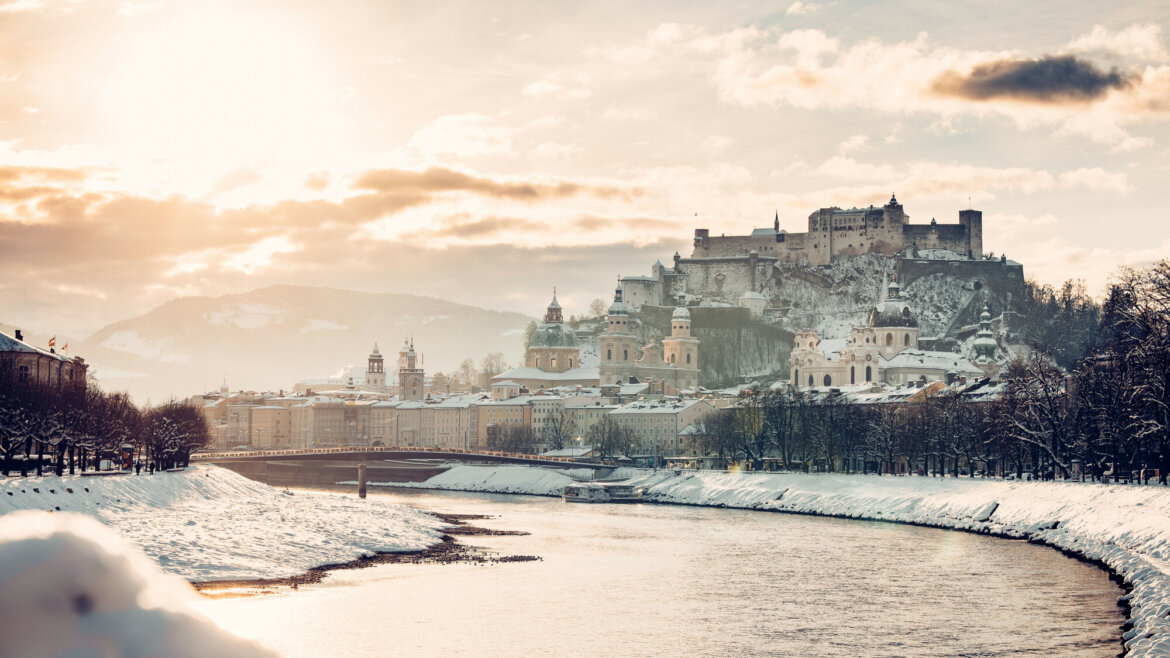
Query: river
x=657 y=579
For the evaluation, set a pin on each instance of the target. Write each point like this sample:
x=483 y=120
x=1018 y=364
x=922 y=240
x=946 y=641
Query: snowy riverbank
x=209 y=523
x=1125 y=528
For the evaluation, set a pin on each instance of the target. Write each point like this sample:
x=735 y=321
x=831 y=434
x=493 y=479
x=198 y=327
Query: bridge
x=389 y=453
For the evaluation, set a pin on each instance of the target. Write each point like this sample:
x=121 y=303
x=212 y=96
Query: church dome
x=553 y=334
x=681 y=313
x=892 y=312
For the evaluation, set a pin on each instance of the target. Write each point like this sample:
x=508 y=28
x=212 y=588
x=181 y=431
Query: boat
x=602 y=492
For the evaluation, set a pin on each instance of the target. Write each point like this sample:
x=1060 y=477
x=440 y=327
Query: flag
x=53 y=341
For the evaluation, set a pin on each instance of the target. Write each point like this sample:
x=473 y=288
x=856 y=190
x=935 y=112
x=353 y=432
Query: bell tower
x=375 y=369
x=410 y=376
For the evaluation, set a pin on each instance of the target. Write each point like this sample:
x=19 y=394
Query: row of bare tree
x=73 y=426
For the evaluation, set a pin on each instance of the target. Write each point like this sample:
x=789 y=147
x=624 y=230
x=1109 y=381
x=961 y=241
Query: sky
x=485 y=152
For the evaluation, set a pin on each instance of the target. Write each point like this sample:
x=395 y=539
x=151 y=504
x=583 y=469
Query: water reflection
x=647 y=580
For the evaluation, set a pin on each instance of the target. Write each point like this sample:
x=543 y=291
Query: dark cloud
x=437 y=179
x=465 y=226
x=9 y=174
x=1050 y=79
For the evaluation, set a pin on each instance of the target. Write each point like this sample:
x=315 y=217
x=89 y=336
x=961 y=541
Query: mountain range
x=270 y=338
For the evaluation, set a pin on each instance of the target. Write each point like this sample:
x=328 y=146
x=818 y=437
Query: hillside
x=269 y=338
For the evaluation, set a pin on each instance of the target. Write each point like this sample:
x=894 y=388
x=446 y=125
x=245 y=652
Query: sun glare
x=213 y=92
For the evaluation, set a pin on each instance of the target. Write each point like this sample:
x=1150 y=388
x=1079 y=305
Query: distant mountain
x=270 y=338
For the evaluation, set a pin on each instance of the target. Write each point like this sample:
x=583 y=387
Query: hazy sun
x=215 y=91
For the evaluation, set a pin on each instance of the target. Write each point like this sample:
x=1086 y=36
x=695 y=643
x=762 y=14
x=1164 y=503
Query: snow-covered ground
x=1126 y=528
x=209 y=523
x=69 y=586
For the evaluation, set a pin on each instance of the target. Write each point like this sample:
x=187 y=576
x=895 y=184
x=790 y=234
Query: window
x=889 y=339
x=796 y=376
x=688 y=358
x=906 y=339
x=828 y=380
x=609 y=355
x=810 y=382
x=852 y=375
x=625 y=355
x=868 y=373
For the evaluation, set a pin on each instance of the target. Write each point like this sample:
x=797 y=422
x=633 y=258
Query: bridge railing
x=288 y=452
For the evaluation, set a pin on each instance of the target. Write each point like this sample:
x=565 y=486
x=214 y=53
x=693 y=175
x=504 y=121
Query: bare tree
x=597 y=308
x=559 y=430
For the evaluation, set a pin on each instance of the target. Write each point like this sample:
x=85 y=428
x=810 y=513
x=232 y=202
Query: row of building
x=456 y=422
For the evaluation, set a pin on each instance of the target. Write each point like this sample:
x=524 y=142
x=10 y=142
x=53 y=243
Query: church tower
x=681 y=349
x=618 y=343
x=553 y=345
x=375 y=369
x=410 y=376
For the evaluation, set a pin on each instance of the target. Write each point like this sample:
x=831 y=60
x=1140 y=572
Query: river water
x=658 y=579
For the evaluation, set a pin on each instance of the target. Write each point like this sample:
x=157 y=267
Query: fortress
x=833 y=232
x=740 y=270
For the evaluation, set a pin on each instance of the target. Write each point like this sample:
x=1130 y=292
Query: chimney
x=19 y=336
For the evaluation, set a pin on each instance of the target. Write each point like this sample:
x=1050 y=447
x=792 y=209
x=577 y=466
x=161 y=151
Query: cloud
x=799 y=8
x=17 y=6
x=812 y=70
x=317 y=181
x=956 y=180
x=1141 y=42
x=462 y=135
x=1050 y=79
x=854 y=143
x=132 y=9
x=438 y=180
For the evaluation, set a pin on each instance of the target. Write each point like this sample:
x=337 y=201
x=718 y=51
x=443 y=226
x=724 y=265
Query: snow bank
x=496 y=479
x=209 y=523
x=71 y=587
x=1125 y=528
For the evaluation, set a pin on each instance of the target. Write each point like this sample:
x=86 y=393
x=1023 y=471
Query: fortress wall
x=703 y=277
x=940 y=236
x=640 y=291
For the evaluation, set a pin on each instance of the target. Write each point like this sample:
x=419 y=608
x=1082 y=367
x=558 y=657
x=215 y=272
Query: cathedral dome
x=553 y=334
x=892 y=312
x=681 y=313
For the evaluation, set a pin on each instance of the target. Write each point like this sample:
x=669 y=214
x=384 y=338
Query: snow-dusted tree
x=559 y=430
x=884 y=435
x=1035 y=412
x=492 y=365
x=610 y=439
x=467 y=375
x=171 y=432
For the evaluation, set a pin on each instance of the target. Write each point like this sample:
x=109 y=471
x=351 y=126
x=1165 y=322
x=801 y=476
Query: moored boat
x=602 y=492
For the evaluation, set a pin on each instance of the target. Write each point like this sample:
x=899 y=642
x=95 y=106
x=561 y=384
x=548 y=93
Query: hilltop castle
x=833 y=232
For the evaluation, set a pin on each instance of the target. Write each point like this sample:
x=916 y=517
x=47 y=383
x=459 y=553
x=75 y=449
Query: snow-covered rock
x=71 y=587
x=209 y=523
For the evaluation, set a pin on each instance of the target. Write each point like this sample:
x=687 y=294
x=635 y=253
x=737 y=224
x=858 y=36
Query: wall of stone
x=732 y=346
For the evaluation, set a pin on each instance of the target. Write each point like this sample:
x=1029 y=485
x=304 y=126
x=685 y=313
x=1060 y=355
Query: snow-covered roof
x=656 y=407
x=569 y=452
x=506 y=382
x=529 y=372
x=918 y=359
x=831 y=347
x=10 y=344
